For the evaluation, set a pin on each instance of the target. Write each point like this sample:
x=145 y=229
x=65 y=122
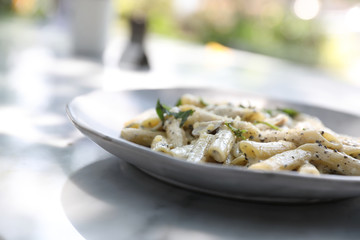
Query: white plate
x=101 y=115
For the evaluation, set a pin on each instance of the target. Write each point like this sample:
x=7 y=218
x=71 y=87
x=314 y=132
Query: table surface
x=57 y=184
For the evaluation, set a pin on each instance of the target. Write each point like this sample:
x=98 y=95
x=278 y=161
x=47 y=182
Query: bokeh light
x=306 y=9
x=352 y=19
x=24 y=7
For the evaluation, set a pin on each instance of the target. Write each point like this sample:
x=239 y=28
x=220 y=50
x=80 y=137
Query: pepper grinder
x=134 y=56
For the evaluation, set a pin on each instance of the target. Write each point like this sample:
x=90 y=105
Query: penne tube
x=140 y=136
x=308 y=168
x=188 y=99
x=200 y=115
x=151 y=123
x=333 y=160
x=246 y=114
x=300 y=137
x=260 y=151
x=181 y=152
x=252 y=115
x=228 y=160
x=251 y=131
x=147 y=119
x=235 y=150
x=159 y=144
x=288 y=160
x=351 y=150
x=197 y=153
x=174 y=134
x=221 y=146
x=240 y=160
x=206 y=127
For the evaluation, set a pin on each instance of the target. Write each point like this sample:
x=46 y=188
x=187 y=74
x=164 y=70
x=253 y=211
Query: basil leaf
x=183 y=116
x=178 y=103
x=163 y=110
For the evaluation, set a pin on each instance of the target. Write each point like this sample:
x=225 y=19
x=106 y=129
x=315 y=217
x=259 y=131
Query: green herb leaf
x=203 y=103
x=237 y=132
x=268 y=124
x=183 y=116
x=160 y=110
x=289 y=111
x=163 y=110
x=178 y=103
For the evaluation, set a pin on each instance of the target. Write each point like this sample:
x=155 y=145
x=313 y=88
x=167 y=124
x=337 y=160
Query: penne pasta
x=199 y=131
x=300 y=137
x=160 y=144
x=174 y=134
x=140 y=136
x=308 y=168
x=259 y=150
x=333 y=160
x=288 y=160
x=181 y=152
x=197 y=153
x=201 y=115
x=221 y=146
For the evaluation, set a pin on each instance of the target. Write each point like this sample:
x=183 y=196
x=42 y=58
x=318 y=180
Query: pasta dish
x=246 y=136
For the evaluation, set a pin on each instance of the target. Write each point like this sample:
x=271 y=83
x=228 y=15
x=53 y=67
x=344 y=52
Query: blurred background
x=319 y=34
x=51 y=51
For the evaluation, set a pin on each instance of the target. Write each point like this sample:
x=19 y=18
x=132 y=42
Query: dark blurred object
x=134 y=56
